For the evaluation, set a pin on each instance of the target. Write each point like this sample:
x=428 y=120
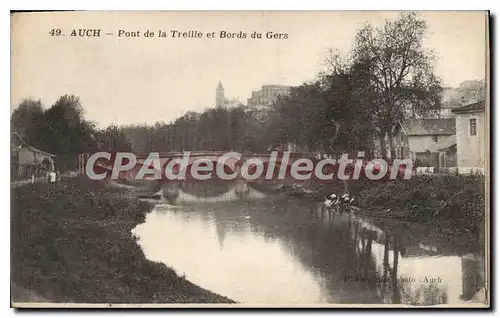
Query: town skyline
x=122 y=83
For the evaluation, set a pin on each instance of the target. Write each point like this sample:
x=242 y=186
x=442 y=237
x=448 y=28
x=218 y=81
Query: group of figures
x=335 y=203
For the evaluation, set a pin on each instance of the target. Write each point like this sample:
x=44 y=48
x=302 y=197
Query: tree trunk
x=396 y=296
x=335 y=136
x=385 y=264
x=383 y=148
x=391 y=146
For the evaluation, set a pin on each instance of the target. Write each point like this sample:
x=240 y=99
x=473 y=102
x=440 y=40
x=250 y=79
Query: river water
x=287 y=251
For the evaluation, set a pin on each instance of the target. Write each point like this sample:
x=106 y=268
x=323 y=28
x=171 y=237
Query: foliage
x=387 y=77
x=25 y=118
x=112 y=139
x=400 y=70
x=61 y=130
x=330 y=114
x=214 y=129
x=456 y=199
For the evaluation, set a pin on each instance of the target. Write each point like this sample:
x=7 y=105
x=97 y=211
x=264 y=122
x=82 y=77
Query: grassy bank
x=71 y=242
x=453 y=200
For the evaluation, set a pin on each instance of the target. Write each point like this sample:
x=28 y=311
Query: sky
x=136 y=80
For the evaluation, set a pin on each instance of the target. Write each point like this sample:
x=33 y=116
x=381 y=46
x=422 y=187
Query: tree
x=346 y=116
x=401 y=72
x=25 y=119
x=113 y=139
x=328 y=114
x=64 y=131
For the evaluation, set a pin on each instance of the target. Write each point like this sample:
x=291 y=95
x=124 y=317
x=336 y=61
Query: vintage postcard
x=250 y=159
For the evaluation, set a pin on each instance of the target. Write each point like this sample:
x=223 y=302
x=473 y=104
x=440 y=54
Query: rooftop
x=17 y=140
x=444 y=144
x=33 y=149
x=430 y=126
x=470 y=108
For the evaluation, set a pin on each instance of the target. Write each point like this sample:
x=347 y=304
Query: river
x=286 y=251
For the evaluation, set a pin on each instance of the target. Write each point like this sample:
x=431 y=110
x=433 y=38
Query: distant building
x=260 y=101
x=222 y=102
x=431 y=142
x=470 y=127
x=467 y=92
x=267 y=95
x=444 y=143
x=232 y=103
x=219 y=95
x=453 y=138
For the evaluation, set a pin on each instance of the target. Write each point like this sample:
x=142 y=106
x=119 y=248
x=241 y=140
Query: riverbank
x=71 y=242
x=454 y=202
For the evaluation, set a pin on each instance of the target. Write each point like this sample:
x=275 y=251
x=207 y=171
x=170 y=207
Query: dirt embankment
x=71 y=242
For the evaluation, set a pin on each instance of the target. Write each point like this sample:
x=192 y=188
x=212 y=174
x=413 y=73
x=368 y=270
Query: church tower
x=219 y=95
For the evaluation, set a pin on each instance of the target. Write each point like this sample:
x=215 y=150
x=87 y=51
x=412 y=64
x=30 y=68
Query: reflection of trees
x=225 y=221
x=472 y=275
x=396 y=296
x=426 y=294
x=385 y=266
x=403 y=290
x=344 y=248
x=222 y=229
x=329 y=251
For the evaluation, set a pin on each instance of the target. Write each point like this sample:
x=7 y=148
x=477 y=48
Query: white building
x=471 y=137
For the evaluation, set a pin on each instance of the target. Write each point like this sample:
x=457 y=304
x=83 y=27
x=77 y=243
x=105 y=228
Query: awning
x=444 y=144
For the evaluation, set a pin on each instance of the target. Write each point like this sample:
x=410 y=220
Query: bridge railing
x=244 y=154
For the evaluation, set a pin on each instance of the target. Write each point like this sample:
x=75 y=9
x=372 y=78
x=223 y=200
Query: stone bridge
x=213 y=189
x=232 y=162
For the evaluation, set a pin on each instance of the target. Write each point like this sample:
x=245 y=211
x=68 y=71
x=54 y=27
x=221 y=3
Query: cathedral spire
x=219 y=95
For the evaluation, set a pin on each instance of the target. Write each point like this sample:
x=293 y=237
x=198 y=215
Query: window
x=473 y=126
x=435 y=138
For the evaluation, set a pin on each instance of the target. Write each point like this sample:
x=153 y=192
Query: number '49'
x=55 y=32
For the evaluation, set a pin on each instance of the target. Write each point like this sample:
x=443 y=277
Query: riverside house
x=471 y=136
x=27 y=161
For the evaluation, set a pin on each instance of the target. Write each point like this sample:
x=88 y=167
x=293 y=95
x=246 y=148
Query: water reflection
x=293 y=252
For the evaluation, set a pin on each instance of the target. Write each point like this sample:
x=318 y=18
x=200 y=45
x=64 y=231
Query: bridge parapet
x=233 y=160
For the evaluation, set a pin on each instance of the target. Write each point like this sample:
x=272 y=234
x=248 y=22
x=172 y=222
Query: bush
x=454 y=199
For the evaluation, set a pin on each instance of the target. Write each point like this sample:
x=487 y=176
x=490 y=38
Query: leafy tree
x=401 y=71
x=113 y=139
x=64 y=131
x=329 y=114
x=26 y=118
